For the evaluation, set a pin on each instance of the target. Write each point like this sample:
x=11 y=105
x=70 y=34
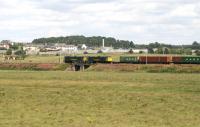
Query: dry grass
x=33 y=66
x=153 y=68
x=98 y=99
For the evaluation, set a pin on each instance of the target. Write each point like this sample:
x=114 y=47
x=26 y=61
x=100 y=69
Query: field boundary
x=151 y=68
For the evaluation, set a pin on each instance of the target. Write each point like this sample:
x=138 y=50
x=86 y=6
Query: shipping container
x=155 y=59
x=128 y=59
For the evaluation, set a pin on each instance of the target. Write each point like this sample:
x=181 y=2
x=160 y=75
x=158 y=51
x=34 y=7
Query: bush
x=141 y=52
x=9 y=52
x=131 y=51
x=99 y=51
x=21 y=54
x=85 y=52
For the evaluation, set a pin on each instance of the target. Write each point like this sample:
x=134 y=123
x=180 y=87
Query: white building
x=121 y=50
x=4 y=46
x=140 y=50
x=31 y=49
x=194 y=52
x=107 y=49
x=82 y=46
x=67 y=48
x=155 y=49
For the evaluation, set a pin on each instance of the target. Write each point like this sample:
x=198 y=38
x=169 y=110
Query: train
x=134 y=59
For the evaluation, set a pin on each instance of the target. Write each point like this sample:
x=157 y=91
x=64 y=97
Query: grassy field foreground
x=98 y=99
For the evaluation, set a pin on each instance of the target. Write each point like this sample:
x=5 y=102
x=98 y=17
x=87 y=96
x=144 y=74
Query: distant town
x=72 y=45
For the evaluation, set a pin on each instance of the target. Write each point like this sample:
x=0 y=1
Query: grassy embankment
x=98 y=99
x=151 y=68
x=34 y=66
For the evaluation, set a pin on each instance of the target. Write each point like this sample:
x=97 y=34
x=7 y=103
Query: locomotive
x=88 y=59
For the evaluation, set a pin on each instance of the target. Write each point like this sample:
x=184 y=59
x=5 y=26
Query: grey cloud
x=140 y=20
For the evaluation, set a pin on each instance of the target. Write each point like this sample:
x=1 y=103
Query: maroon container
x=177 y=59
x=155 y=59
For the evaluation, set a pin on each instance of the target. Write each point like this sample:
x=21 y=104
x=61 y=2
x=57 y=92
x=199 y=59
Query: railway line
x=83 y=62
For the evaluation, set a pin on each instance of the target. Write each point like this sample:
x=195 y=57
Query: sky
x=140 y=21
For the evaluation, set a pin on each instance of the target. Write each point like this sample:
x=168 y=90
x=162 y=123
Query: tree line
x=174 y=49
x=96 y=41
x=89 y=41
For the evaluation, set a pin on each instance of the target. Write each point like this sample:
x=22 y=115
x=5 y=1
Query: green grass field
x=98 y=99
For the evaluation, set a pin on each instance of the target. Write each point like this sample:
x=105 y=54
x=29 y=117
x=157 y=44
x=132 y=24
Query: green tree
x=141 y=52
x=95 y=41
x=14 y=47
x=131 y=51
x=20 y=53
x=132 y=45
x=9 y=52
x=159 y=51
x=166 y=51
x=195 y=45
x=150 y=50
x=154 y=45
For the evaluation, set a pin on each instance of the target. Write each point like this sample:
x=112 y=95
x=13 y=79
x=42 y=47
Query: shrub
x=99 y=51
x=9 y=52
x=85 y=52
x=131 y=51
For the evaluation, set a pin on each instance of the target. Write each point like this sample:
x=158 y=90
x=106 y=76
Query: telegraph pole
x=60 y=57
x=146 y=58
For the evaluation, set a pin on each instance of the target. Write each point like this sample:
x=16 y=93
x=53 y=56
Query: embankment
x=33 y=66
x=153 y=68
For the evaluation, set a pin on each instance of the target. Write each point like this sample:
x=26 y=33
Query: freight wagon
x=186 y=60
x=129 y=59
x=155 y=59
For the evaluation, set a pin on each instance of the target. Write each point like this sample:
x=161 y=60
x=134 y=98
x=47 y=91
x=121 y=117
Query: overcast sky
x=142 y=21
